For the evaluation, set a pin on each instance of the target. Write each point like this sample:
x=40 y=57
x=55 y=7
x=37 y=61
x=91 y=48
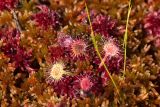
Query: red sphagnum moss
x=48 y=59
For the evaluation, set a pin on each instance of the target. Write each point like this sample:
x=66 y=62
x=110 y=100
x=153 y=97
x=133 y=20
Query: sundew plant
x=79 y=53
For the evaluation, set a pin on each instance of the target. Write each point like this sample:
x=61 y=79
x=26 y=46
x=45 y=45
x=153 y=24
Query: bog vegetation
x=79 y=53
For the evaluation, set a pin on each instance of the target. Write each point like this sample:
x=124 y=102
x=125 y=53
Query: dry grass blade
x=125 y=37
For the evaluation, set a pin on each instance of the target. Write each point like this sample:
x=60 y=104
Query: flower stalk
x=125 y=38
x=97 y=50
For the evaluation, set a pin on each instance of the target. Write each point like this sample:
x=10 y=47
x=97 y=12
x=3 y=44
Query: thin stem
x=126 y=37
x=97 y=50
x=103 y=60
x=16 y=20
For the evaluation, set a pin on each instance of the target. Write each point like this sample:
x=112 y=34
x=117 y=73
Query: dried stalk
x=15 y=18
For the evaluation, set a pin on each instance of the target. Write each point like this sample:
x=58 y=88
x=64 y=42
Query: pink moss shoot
x=8 y=4
x=152 y=26
x=46 y=18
